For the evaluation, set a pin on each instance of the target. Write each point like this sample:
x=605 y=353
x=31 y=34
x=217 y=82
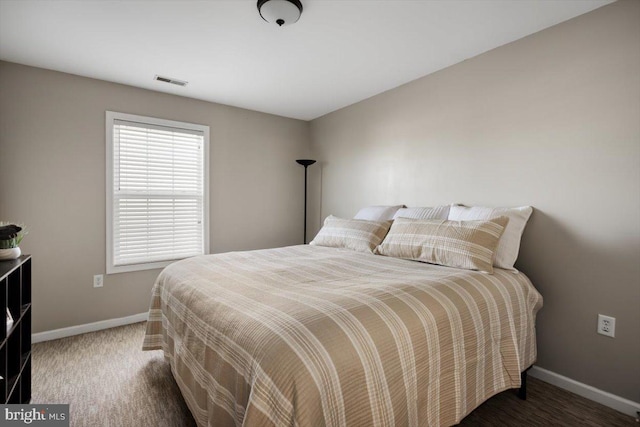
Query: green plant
x=11 y=235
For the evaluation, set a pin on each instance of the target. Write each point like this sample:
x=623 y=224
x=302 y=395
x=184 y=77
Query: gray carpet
x=109 y=381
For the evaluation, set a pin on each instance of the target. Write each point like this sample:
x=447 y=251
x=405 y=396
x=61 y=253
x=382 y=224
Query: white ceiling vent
x=170 y=80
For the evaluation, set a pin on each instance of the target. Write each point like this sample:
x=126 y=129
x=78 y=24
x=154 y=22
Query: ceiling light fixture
x=281 y=12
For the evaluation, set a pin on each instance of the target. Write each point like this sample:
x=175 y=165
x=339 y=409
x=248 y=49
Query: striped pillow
x=356 y=234
x=509 y=246
x=463 y=244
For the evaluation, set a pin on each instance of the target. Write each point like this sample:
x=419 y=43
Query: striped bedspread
x=313 y=336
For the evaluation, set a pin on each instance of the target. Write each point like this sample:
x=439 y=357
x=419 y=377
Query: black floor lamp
x=306 y=163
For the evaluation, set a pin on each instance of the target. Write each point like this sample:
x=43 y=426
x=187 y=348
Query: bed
x=310 y=336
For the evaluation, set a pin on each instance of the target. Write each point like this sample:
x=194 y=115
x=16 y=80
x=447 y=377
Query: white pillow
x=509 y=245
x=439 y=212
x=377 y=213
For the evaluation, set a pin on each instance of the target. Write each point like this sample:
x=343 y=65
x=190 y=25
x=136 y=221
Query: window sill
x=114 y=269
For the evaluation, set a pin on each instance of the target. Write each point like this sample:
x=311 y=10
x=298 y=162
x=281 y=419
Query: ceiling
x=338 y=53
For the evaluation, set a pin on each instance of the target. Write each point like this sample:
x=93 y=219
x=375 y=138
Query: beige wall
x=552 y=121
x=52 y=178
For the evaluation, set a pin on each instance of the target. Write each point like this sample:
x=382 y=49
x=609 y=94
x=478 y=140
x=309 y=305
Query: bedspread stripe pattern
x=319 y=336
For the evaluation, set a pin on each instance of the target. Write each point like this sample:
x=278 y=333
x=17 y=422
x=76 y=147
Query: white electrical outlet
x=607 y=325
x=98 y=280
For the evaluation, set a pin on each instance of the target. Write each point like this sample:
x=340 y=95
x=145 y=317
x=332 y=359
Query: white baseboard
x=88 y=327
x=618 y=403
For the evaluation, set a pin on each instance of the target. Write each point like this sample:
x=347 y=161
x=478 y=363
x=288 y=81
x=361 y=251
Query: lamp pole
x=306 y=163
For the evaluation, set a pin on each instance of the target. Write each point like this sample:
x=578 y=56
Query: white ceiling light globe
x=281 y=12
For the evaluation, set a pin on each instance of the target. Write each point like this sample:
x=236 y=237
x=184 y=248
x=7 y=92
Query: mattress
x=312 y=336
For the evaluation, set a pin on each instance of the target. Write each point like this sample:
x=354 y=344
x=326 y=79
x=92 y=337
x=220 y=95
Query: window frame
x=110 y=118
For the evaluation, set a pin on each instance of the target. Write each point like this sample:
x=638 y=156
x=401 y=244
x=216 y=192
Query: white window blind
x=158 y=200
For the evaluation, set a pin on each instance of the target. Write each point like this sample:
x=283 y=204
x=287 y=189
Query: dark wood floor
x=546 y=405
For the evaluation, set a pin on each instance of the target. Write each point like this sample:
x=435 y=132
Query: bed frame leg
x=522 y=391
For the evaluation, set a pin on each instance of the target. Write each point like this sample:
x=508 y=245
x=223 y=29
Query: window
x=157 y=191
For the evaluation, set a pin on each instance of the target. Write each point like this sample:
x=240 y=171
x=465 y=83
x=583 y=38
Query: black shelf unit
x=15 y=338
